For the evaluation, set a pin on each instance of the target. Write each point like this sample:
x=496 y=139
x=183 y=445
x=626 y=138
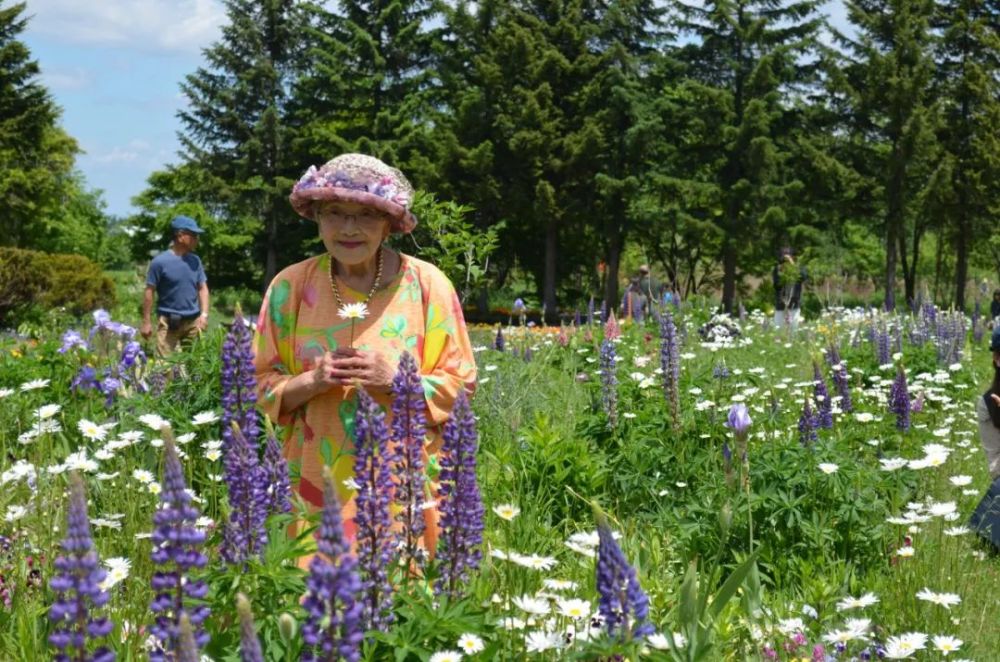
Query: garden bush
x=43 y=280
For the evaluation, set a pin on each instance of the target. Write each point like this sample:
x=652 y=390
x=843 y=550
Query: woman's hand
x=995 y=398
x=367 y=368
x=322 y=374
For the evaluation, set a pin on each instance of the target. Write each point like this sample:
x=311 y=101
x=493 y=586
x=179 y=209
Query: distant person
x=988 y=412
x=995 y=305
x=178 y=278
x=788 y=279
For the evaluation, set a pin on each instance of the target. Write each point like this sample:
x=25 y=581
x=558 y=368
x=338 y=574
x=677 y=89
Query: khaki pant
x=989 y=436
x=167 y=340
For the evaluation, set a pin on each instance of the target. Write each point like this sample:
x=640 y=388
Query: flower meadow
x=693 y=487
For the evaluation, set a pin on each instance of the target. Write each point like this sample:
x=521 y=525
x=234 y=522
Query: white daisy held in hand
x=354 y=312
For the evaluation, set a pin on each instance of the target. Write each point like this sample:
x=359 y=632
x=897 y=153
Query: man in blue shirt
x=181 y=288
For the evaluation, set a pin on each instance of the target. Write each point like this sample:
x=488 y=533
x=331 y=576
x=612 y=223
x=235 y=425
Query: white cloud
x=135 y=149
x=178 y=26
x=67 y=81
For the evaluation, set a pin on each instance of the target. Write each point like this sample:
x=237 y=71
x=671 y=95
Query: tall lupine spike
x=77 y=586
x=498 y=343
x=239 y=388
x=590 y=312
x=176 y=551
x=623 y=604
x=611 y=328
x=245 y=535
x=576 y=317
x=670 y=364
x=824 y=404
x=899 y=400
x=807 y=425
x=376 y=541
x=407 y=433
x=883 y=350
x=279 y=490
x=249 y=642
x=609 y=382
x=843 y=385
x=332 y=628
x=461 y=504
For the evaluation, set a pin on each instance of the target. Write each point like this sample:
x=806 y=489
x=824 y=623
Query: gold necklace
x=378 y=278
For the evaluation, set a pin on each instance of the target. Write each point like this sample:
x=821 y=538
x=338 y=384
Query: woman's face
x=351 y=233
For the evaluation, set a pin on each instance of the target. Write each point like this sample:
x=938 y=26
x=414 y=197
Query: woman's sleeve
x=448 y=364
x=273 y=347
x=989 y=436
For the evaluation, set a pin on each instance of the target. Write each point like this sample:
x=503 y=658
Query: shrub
x=31 y=278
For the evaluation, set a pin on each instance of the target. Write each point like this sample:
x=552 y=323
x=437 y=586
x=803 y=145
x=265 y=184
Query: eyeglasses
x=365 y=217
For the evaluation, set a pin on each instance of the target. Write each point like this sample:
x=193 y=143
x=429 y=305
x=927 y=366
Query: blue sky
x=114 y=66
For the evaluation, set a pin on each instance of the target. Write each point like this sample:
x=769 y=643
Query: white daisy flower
x=356 y=311
x=559 y=584
x=91 y=430
x=866 y=600
x=15 y=513
x=154 y=421
x=506 y=511
x=947 y=644
x=573 y=608
x=445 y=656
x=47 y=411
x=118 y=568
x=34 y=384
x=5 y=392
x=532 y=605
x=470 y=644
x=828 y=468
x=204 y=418
x=905 y=645
x=946 y=600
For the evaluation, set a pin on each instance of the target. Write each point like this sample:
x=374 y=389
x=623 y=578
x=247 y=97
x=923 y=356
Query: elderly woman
x=309 y=358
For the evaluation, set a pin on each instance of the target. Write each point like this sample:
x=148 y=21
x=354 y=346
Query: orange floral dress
x=419 y=312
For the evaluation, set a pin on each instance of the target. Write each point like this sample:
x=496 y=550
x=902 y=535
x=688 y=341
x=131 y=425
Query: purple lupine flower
x=609 y=382
x=576 y=318
x=498 y=342
x=245 y=534
x=279 y=490
x=824 y=405
x=176 y=552
x=590 y=312
x=727 y=459
x=109 y=386
x=332 y=628
x=460 y=502
x=670 y=363
x=739 y=419
x=85 y=380
x=917 y=405
x=249 y=643
x=623 y=604
x=833 y=355
x=72 y=339
x=130 y=365
x=78 y=587
x=807 y=425
x=843 y=386
x=239 y=388
x=883 y=352
x=720 y=371
x=899 y=400
x=409 y=427
x=373 y=460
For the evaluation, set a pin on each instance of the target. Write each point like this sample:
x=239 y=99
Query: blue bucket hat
x=185 y=224
x=995 y=340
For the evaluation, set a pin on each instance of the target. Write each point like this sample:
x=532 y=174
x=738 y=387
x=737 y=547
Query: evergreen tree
x=238 y=129
x=966 y=182
x=371 y=84
x=36 y=156
x=750 y=58
x=888 y=77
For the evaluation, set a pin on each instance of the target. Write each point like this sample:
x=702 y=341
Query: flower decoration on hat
x=359 y=179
